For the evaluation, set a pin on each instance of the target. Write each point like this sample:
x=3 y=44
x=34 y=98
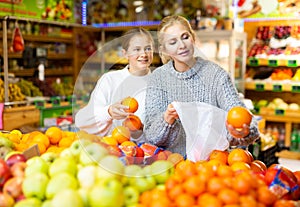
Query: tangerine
x=55 y=134
x=65 y=142
x=228 y=196
x=238 y=116
x=240 y=166
x=266 y=196
x=133 y=123
x=261 y=164
x=131 y=103
x=185 y=200
x=215 y=185
x=109 y=140
x=194 y=186
x=208 y=200
x=40 y=137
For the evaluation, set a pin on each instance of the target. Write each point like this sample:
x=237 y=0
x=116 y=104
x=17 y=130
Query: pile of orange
x=53 y=139
x=225 y=179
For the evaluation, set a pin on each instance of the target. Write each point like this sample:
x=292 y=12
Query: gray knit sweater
x=205 y=82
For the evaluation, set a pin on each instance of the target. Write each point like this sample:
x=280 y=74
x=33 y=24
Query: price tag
x=277 y=88
x=273 y=63
x=296 y=88
x=260 y=87
x=55 y=101
x=253 y=62
x=279 y=112
x=292 y=63
x=40 y=104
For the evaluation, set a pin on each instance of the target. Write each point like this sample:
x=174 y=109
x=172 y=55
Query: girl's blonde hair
x=133 y=32
x=167 y=22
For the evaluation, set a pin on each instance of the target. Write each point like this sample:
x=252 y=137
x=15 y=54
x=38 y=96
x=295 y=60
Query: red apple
x=14 y=158
x=18 y=169
x=5 y=173
x=13 y=186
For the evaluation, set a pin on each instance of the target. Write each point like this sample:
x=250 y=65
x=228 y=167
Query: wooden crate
x=16 y=117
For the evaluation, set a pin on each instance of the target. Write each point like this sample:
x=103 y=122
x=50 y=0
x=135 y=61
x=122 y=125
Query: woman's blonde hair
x=167 y=22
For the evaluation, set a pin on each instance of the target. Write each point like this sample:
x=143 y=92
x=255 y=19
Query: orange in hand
x=131 y=103
x=132 y=122
x=238 y=116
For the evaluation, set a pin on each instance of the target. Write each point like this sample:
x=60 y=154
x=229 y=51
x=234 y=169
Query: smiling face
x=139 y=54
x=178 y=43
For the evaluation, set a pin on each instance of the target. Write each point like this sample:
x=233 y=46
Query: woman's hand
x=238 y=133
x=116 y=111
x=170 y=114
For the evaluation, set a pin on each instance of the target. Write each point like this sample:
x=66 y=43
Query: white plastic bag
x=205 y=129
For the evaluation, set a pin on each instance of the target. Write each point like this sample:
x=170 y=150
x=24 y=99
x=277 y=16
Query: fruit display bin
x=55 y=110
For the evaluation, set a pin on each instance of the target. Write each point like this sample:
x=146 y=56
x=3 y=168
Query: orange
x=220 y=155
x=65 y=142
x=28 y=138
x=14 y=138
x=40 y=137
x=121 y=134
x=255 y=167
x=208 y=200
x=194 y=186
x=185 y=200
x=265 y=196
x=247 y=201
x=133 y=123
x=241 y=185
x=174 y=192
x=131 y=103
x=215 y=164
x=228 y=196
x=224 y=171
x=240 y=166
x=238 y=116
x=238 y=155
x=215 y=185
x=55 y=134
x=109 y=140
x=21 y=147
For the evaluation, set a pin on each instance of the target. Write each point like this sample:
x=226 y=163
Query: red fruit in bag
x=18 y=42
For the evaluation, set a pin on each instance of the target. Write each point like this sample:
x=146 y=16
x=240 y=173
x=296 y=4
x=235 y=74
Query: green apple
x=67 y=198
x=29 y=202
x=86 y=176
x=77 y=146
x=92 y=154
x=132 y=195
x=35 y=185
x=110 y=167
x=36 y=164
x=47 y=203
x=60 y=181
x=129 y=172
x=49 y=157
x=68 y=153
x=63 y=164
x=161 y=170
x=83 y=193
x=109 y=193
x=143 y=183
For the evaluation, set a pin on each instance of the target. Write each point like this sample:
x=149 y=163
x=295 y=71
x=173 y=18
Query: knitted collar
x=187 y=74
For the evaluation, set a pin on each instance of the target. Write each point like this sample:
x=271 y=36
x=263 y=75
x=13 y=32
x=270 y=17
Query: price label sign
x=273 y=63
x=277 y=88
x=296 y=88
x=260 y=87
x=279 y=112
x=253 y=62
x=292 y=63
x=40 y=104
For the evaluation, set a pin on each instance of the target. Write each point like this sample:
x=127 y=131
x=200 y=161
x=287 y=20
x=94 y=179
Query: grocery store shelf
x=53 y=56
x=293 y=86
x=48 y=72
x=273 y=62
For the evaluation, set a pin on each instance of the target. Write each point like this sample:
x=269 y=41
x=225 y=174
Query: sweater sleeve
x=94 y=117
x=157 y=130
x=228 y=98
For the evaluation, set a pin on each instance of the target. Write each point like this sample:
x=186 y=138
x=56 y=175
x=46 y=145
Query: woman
x=185 y=78
x=104 y=110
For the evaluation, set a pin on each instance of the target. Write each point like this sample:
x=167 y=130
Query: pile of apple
x=85 y=174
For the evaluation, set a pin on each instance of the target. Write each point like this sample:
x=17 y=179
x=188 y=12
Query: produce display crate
x=279 y=112
x=268 y=156
x=55 y=110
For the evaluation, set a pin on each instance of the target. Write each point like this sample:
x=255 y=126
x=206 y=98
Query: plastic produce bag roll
x=205 y=129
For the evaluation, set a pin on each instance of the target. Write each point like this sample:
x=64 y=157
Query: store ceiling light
x=138 y=3
x=139 y=9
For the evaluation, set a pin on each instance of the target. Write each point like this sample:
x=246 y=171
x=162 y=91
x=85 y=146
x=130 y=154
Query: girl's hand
x=238 y=133
x=116 y=111
x=170 y=114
